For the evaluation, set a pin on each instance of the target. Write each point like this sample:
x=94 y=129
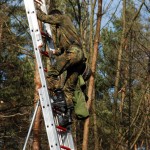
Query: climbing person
x=70 y=58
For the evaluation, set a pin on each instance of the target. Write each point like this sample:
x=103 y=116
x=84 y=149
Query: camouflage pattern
x=72 y=62
x=63 y=30
x=66 y=40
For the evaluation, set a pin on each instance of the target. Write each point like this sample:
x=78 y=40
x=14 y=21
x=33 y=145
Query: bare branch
x=134 y=18
x=108 y=6
x=147 y=7
x=14 y=115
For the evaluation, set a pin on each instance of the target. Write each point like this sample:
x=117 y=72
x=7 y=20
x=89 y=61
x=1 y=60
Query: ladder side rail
x=70 y=140
x=47 y=29
x=47 y=26
x=45 y=105
x=31 y=125
x=37 y=42
x=65 y=138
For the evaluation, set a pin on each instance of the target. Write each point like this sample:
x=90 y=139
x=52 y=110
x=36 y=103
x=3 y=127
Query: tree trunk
x=1 y=29
x=37 y=125
x=91 y=30
x=37 y=122
x=93 y=67
x=148 y=104
x=96 y=139
x=122 y=43
x=123 y=89
x=2 y=20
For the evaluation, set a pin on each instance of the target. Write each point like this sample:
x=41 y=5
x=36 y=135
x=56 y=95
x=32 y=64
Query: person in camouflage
x=68 y=48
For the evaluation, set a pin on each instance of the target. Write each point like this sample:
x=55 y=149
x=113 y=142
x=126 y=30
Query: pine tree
x=16 y=72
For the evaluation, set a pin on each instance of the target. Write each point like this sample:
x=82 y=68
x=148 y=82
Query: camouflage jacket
x=63 y=30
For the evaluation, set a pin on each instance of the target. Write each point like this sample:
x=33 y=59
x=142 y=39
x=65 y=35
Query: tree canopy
x=119 y=111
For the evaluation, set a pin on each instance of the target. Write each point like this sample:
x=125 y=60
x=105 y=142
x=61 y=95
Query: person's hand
x=39 y=2
x=54 y=52
x=51 y=53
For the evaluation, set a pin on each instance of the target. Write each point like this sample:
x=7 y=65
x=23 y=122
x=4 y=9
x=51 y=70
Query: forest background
x=116 y=40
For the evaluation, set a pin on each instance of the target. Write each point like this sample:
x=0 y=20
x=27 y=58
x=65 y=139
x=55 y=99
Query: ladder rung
x=39 y=2
x=59 y=138
x=44 y=53
x=45 y=69
x=61 y=128
x=64 y=147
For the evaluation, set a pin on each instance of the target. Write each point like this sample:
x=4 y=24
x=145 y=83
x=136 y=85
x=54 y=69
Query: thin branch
x=108 y=6
x=76 y=17
x=112 y=15
x=146 y=7
x=25 y=51
x=134 y=18
x=14 y=115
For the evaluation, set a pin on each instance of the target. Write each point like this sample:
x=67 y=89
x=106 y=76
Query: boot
x=59 y=99
x=66 y=119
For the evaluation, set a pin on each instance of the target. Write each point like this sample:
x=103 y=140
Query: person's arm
x=51 y=19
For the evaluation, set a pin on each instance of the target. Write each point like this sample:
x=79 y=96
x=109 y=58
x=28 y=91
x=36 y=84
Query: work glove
x=39 y=2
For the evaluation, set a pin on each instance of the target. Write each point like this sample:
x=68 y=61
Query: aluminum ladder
x=59 y=138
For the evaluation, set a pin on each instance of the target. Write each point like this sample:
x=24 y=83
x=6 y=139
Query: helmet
x=87 y=72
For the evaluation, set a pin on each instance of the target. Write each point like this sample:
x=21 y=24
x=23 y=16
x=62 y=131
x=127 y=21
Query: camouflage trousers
x=72 y=62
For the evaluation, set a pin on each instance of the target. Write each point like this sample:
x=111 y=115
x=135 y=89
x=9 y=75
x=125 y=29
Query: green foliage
x=16 y=77
x=133 y=71
x=17 y=74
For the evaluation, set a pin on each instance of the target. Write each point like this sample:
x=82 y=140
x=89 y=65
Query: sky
x=111 y=7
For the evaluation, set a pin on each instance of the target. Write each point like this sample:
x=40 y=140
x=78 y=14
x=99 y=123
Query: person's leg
x=73 y=70
x=68 y=91
x=55 y=70
x=70 y=61
x=70 y=86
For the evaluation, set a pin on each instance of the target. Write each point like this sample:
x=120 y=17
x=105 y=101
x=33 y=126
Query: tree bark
x=2 y=21
x=37 y=122
x=93 y=67
x=122 y=43
x=91 y=30
x=96 y=139
x=37 y=125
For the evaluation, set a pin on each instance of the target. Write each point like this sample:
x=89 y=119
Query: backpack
x=79 y=100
